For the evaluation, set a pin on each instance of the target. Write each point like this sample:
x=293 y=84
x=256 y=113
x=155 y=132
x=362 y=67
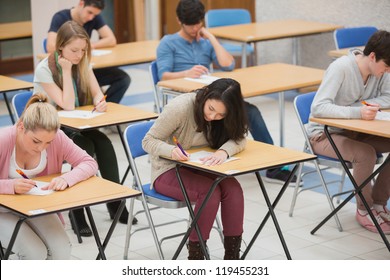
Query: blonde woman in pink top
x=36 y=146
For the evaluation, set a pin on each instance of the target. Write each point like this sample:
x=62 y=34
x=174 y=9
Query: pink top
x=60 y=149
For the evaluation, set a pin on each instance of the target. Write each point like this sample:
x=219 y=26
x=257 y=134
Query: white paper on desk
x=38 y=190
x=79 y=114
x=100 y=52
x=204 y=79
x=385 y=116
x=195 y=157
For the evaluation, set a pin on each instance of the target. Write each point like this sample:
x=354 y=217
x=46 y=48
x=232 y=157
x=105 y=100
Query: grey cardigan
x=177 y=119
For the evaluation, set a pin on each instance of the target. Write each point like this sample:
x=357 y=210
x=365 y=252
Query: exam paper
x=38 y=190
x=383 y=116
x=204 y=79
x=195 y=157
x=100 y=52
x=79 y=114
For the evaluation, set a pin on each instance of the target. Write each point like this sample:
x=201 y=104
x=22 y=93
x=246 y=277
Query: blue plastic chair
x=153 y=73
x=44 y=43
x=226 y=17
x=353 y=36
x=19 y=102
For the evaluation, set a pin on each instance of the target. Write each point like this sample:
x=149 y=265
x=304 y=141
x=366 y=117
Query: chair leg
x=218 y=227
x=296 y=188
x=128 y=229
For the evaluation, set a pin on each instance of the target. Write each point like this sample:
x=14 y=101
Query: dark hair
x=190 y=12
x=99 y=4
x=379 y=43
x=234 y=125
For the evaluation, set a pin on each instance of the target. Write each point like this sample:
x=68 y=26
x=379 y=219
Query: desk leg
x=271 y=213
x=194 y=217
x=243 y=55
x=281 y=118
x=295 y=50
x=357 y=191
x=11 y=114
x=96 y=234
x=13 y=238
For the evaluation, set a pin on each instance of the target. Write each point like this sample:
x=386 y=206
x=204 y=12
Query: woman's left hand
x=56 y=184
x=215 y=159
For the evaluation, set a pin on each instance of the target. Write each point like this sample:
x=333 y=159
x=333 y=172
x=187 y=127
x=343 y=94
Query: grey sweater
x=177 y=119
x=342 y=89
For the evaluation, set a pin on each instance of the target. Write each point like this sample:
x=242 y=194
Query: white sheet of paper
x=383 y=116
x=38 y=190
x=100 y=52
x=79 y=114
x=204 y=79
x=195 y=157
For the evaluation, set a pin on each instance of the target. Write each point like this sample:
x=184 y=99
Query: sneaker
x=385 y=214
x=279 y=176
x=366 y=222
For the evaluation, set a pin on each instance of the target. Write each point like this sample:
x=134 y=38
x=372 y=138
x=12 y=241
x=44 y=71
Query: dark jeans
x=257 y=126
x=117 y=80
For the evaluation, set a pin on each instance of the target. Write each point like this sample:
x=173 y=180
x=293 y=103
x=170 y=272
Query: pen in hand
x=180 y=147
x=24 y=175
x=368 y=104
x=101 y=100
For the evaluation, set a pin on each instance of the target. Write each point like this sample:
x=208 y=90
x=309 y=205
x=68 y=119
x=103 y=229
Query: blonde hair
x=39 y=114
x=67 y=33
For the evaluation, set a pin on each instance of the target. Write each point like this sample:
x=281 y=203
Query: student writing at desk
x=189 y=53
x=212 y=116
x=36 y=146
x=350 y=80
x=67 y=78
x=87 y=14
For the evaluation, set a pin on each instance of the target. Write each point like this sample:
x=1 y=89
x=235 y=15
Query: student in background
x=213 y=116
x=87 y=14
x=190 y=52
x=36 y=146
x=349 y=80
x=67 y=78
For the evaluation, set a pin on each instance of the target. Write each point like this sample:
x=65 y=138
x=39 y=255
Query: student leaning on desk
x=67 y=78
x=36 y=146
x=212 y=116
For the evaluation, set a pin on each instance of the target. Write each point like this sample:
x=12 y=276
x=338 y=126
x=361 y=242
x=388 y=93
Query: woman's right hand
x=22 y=186
x=177 y=154
x=369 y=112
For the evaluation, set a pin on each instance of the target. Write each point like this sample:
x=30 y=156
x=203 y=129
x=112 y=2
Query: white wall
x=313 y=49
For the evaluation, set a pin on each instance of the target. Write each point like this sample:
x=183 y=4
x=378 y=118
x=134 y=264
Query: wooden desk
x=10 y=84
x=15 y=30
x=375 y=127
x=124 y=54
x=271 y=30
x=116 y=114
x=92 y=191
x=249 y=162
x=258 y=80
x=341 y=52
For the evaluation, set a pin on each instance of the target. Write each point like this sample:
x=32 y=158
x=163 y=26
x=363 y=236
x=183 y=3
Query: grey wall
x=313 y=49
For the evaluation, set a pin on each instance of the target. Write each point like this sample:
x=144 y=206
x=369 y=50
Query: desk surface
x=259 y=80
x=15 y=30
x=375 y=127
x=341 y=52
x=94 y=190
x=256 y=156
x=116 y=114
x=271 y=30
x=124 y=54
x=10 y=84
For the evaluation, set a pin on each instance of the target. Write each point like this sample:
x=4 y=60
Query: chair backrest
x=133 y=138
x=153 y=73
x=224 y=17
x=353 y=36
x=44 y=44
x=19 y=102
x=302 y=104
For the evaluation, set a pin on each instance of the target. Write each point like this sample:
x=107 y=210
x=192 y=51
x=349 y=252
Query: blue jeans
x=117 y=80
x=257 y=126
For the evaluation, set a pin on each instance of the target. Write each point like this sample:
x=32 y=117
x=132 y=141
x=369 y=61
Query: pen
x=368 y=104
x=180 y=147
x=24 y=175
x=101 y=100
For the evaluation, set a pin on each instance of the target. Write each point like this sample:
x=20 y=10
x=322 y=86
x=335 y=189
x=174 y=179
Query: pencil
x=180 y=147
x=368 y=104
x=101 y=100
x=24 y=175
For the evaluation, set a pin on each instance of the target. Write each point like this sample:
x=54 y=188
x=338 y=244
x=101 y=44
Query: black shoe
x=279 y=176
x=113 y=207
x=79 y=219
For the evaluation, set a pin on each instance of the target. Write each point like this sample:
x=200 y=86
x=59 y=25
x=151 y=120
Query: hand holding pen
x=182 y=155
x=369 y=111
x=23 y=187
x=101 y=100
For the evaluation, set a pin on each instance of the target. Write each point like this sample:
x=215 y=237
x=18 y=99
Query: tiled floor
x=327 y=244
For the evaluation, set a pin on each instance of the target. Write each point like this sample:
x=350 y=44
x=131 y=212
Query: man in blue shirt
x=87 y=14
x=190 y=52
